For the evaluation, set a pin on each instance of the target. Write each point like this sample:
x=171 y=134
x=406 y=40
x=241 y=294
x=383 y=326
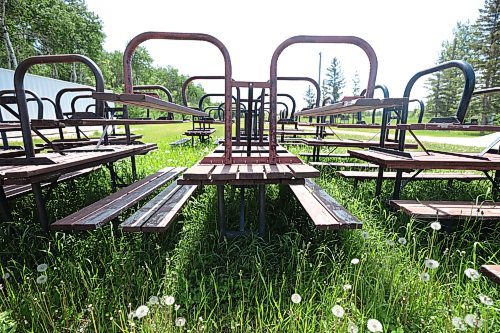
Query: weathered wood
x=353 y=143
x=303 y=171
x=325 y=212
x=367 y=175
x=198 y=172
x=449 y=127
x=251 y=171
x=200 y=132
x=325 y=155
x=448 y=210
x=492 y=272
x=352 y=106
x=420 y=160
x=105 y=210
x=98 y=122
x=149 y=102
x=277 y=171
x=344 y=165
x=225 y=172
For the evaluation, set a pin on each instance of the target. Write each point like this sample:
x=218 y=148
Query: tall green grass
x=97 y=280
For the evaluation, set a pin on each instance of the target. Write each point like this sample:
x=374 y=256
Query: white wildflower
x=141 y=311
x=338 y=311
x=425 y=277
x=374 y=325
x=473 y=321
x=436 y=225
x=347 y=287
x=431 y=263
x=168 y=300
x=177 y=307
x=402 y=241
x=458 y=324
x=352 y=327
x=472 y=274
x=6 y=275
x=355 y=261
x=41 y=279
x=296 y=298
x=42 y=268
x=153 y=300
x=180 y=322
x=486 y=300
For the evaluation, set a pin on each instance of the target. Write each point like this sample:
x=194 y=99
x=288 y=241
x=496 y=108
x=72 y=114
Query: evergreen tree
x=310 y=97
x=356 y=86
x=335 y=82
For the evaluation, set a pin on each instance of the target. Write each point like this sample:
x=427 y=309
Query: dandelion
x=390 y=242
x=347 y=287
x=486 y=300
x=352 y=327
x=141 y=311
x=374 y=325
x=41 y=279
x=355 y=261
x=200 y=318
x=473 y=321
x=425 y=277
x=402 y=241
x=338 y=311
x=131 y=315
x=458 y=324
x=153 y=300
x=42 y=268
x=177 y=307
x=472 y=274
x=6 y=275
x=296 y=298
x=168 y=300
x=180 y=322
x=365 y=234
x=436 y=225
x=431 y=263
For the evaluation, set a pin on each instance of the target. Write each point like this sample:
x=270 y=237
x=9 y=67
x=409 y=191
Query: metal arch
x=372 y=58
x=34 y=97
x=307 y=79
x=202 y=99
x=137 y=40
x=60 y=93
x=75 y=99
x=155 y=87
x=193 y=78
x=470 y=79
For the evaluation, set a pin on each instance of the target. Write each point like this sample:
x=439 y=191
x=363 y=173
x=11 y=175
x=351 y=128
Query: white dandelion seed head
x=355 y=261
x=200 y=318
x=390 y=242
x=177 y=307
x=153 y=300
x=352 y=327
x=168 y=300
x=458 y=324
x=472 y=274
x=486 y=300
x=6 y=275
x=41 y=279
x=374 y=325
x=42 y=268
x=347 y=287
x=296 y=298
x=402 y=241
x=338 y=311
x=365 y=234
x=473 y=321
x=431 y=263
x=436 y=225
x=141 y=311
x=180 y=321
x=425 y=277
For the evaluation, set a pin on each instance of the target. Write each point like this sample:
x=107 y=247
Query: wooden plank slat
x=365 y=175
x=277 y=171
x=448 y=210
x=352 y=106
x=344 y=165
x=492 y=272
x=198 y=172
x=449 y=127
x=224 y=172
x=251 y=171
x=303 y=171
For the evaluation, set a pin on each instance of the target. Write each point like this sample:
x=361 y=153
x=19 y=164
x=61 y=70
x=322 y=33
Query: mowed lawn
x=408 y=275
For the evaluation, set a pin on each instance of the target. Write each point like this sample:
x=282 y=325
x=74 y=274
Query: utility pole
x=319 y=74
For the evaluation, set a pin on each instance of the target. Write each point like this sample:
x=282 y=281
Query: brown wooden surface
x=368 y=126
x=303 y=171
x=449 y=127
x=353 y=106
x=492 y=272
x=344 y=165
x=448 y=210
x=325 y=212
x=149 y=102
x=198 y=172
x=98 y=122
x=200 y=132
x=326 y=155
x=420 y=160
x=105 y=210
x=352 y=143
x=364 y=175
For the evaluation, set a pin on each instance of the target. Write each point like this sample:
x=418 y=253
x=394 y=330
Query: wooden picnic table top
x=352 y=106
x=98 y=122
x=352 y=143
x=448 y=210
x=55 y=164
x=146 y=101
x=449 y=127
x=436 y=160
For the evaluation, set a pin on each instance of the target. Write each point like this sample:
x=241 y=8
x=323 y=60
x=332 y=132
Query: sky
x=406 y=36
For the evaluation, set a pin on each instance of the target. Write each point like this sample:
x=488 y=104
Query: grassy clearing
x=95 y=279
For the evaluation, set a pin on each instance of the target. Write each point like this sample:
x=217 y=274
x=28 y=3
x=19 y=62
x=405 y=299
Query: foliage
x=335 y=82
x=310 y=97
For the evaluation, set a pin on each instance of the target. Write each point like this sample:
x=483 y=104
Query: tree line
x=42 y=27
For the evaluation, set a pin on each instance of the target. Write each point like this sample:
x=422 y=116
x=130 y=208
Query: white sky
x=406 y=35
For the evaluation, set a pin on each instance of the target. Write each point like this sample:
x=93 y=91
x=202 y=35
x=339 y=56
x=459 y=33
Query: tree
x=310 y=97
x=333 y=85
x=356 y=85
x=11 y=55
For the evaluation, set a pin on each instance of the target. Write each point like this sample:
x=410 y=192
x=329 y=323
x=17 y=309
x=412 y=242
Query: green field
x=95 y=281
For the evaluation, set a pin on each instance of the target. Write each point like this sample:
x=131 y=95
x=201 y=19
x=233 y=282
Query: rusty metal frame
x=139 y=39
x=372 y=58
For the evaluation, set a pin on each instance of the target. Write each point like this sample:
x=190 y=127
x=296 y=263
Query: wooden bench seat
x=345 y=165
x=492 y=272
x=14 y=191
x=200 y=132
x=448 y=210
x=368 y=175
x=325 y=212
x=105 y=210
x=325 y=155
x=158 y=214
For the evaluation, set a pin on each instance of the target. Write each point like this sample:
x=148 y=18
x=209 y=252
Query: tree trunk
x=5 y=35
